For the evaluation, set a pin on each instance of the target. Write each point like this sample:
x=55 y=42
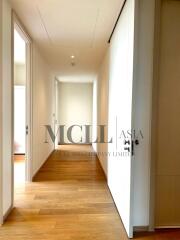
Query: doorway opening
x=22 y=122
x=19 y=108
x=74 y=111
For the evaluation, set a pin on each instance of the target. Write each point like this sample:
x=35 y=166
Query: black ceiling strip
x=116 y=21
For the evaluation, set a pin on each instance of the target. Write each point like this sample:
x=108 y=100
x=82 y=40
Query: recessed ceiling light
x=72 y=56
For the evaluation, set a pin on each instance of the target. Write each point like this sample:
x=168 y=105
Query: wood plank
x=69 y=204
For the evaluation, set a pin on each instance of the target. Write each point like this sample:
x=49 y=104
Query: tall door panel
x=120 y=113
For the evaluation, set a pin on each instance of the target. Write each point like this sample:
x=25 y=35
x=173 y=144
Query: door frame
x=56 y=113
x=1 y=147
x=154 y=111
x=154 y=122
x=16 y=24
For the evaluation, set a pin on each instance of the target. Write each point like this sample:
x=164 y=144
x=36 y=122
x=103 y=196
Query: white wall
x=19 y=107
x=19 y=119
x=75 y=107
x=94 y=118
x=7 y=109
x=56 y=111
x=103 y=93
x=43 y=101
x=20 y=74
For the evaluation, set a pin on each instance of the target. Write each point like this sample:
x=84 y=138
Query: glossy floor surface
x=68 y=200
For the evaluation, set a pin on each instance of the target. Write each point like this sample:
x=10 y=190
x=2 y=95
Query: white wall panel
x=120 y=113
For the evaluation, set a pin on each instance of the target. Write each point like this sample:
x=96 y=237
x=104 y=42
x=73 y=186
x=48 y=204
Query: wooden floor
x=68 y=200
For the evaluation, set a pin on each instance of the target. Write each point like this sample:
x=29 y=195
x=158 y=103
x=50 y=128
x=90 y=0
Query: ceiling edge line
x=43 y=24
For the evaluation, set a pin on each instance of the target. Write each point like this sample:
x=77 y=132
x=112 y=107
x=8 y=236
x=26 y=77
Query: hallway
x=69 y=199
x=101 y=73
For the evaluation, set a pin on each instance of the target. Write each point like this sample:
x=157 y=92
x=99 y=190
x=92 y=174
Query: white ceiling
x=63 y=28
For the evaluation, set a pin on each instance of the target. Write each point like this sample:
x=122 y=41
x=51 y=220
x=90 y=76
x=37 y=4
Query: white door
x=120 y=114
